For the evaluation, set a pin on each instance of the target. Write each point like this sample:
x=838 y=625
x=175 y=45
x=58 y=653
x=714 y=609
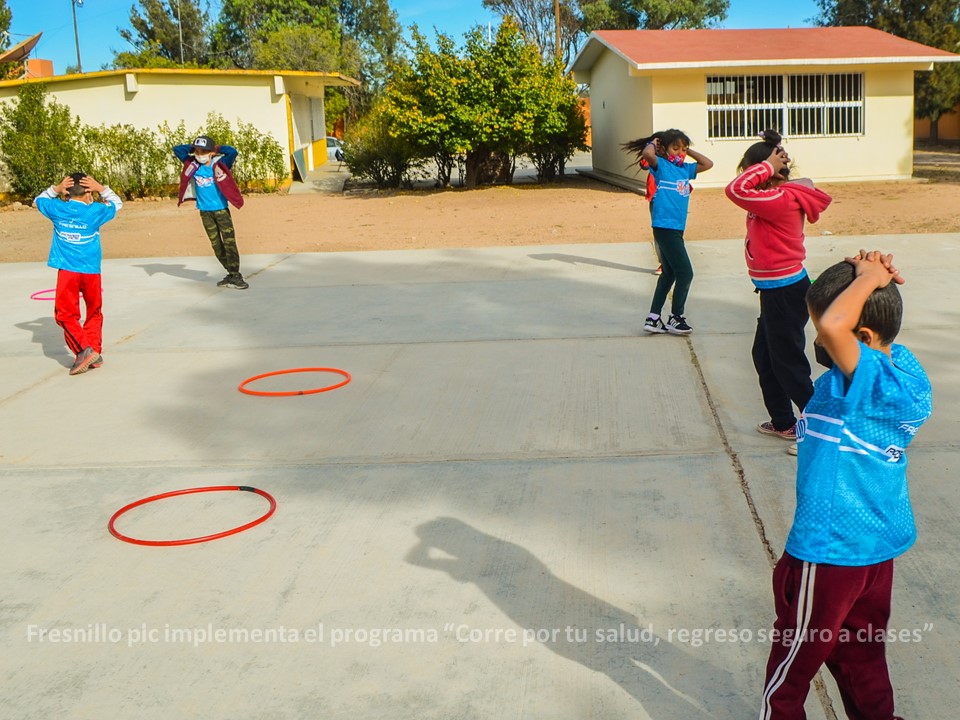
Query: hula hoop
x=206 y=538
x=243 y=386
x=36 y=295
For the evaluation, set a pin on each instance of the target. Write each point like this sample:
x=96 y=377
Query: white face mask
x=204 y=159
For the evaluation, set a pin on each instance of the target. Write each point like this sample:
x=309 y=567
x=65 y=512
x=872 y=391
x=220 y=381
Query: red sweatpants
x=835 y=615
x=66 y=310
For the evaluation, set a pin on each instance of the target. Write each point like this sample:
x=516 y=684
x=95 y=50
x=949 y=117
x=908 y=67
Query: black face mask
x=823 y=357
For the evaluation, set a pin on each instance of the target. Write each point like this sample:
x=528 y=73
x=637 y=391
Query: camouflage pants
x=219 y=227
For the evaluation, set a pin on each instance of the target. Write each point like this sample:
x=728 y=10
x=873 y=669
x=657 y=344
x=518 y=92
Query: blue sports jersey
x=76 y=229
x=672 y=200
x=209 y=196
x=853 y=506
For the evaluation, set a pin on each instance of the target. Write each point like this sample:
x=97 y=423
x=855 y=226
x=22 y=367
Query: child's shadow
x=178 y=270
x=668 y=682
x=48 y=335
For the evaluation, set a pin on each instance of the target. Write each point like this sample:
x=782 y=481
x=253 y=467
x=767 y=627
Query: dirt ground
x=578 y=210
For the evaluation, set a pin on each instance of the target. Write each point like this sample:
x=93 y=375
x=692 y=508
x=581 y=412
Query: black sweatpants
x=779 y=352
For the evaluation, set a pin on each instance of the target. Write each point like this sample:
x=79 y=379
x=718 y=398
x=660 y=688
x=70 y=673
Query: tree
x=579 y=18
x=165 y=34
x=497 y=101
x=931 y=22
x=299 y=47
x=423 y=104
x=537 y=21
x=243 y=23
x=5 y=17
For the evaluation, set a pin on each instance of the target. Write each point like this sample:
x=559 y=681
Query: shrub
x=372 y=154
x=39 y=141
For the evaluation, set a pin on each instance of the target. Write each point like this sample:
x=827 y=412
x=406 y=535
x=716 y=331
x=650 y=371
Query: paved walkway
x=520 y=507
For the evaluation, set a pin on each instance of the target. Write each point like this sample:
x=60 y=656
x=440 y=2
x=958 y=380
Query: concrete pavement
x=519 y=507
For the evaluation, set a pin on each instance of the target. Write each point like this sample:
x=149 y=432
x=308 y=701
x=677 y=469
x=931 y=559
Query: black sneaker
x=237 y=281
x=86 y=358
x=653 y=325
x=225 y=281
x=677 y=325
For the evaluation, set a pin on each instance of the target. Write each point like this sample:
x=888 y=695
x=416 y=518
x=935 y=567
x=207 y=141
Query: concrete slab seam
x=820 y=687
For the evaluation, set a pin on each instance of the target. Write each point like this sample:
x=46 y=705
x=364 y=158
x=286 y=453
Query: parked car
x=334 y=149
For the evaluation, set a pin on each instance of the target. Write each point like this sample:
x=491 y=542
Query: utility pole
x=76 y=34
x=180 y=28
x=556 y=13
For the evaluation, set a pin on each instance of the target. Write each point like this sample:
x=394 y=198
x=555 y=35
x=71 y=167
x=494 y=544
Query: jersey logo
x=907 y=428
x=204 y=181
x=894 y=453
x=683 y=187
x=801 y=428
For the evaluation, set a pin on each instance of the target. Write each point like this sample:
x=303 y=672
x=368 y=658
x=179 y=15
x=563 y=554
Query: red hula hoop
x=35 y=295
x=242 y=387
x=189 y=541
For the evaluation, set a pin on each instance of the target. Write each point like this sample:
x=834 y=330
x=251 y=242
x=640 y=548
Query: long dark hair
x=666 y=138
x=758 y=152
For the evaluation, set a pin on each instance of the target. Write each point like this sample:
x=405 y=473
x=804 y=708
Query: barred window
x=743 y=106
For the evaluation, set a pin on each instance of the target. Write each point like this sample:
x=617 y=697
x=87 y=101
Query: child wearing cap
x=76 y=253
x=206 y=179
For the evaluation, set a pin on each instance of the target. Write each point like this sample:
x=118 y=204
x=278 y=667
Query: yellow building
x=289 y=105
x=842 y=97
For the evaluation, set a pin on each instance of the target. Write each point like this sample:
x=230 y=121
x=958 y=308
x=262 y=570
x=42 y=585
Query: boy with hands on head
x=832 y=585
x=76 y=253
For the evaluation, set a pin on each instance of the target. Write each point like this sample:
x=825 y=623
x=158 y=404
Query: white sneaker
x=792 y=450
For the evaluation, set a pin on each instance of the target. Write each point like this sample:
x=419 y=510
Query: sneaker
x=677 y=325
x=97 y=363
x=767 y=428
x=659 y=270
x=237 y=281
x=654 y=325
x=792 y=450
x=226 y=280
x=86 y=358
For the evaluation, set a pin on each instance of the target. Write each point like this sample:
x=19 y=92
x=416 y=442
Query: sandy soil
x=577 y=211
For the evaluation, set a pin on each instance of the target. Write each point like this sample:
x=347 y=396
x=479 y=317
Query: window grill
x=743 y=106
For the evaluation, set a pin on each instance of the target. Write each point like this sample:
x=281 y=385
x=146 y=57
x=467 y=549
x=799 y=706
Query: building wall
x=678 y=100
x=620 y=110
x=108 y=101
x=948 y=127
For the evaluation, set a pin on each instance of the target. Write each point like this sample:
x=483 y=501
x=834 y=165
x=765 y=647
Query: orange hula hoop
x=242 y=387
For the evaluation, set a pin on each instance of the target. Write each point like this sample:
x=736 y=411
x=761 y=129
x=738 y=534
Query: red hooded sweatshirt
x=775 y=216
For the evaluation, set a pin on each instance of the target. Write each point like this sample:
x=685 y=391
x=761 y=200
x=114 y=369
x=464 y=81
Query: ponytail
x=758 y=152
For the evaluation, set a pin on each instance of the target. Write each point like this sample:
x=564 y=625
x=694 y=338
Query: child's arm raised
x=703 y=162
x=839 y=322
x=649 y=152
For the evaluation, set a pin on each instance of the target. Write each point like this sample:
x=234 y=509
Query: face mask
x=822 y=356
x=677 y=160
x=203 y=159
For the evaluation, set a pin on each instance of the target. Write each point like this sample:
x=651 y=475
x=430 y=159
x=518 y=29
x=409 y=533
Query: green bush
x=41 y=142
x=372 y=154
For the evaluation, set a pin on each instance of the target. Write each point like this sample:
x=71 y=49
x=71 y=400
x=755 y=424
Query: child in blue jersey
x=665 y=155
x=832 y=586
x=76 y=253
x=207 y=180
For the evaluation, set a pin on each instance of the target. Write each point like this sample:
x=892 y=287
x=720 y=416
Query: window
x=743 y=106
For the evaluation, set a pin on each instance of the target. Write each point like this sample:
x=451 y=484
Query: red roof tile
x=657 y=48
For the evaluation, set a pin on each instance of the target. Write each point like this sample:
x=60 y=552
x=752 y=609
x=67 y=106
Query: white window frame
x=799 y=106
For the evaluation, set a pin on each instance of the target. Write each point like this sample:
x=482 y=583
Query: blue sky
x=98 y=21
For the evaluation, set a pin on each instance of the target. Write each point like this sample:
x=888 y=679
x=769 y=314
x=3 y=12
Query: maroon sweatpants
x=835 y=615
x=66 y=310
